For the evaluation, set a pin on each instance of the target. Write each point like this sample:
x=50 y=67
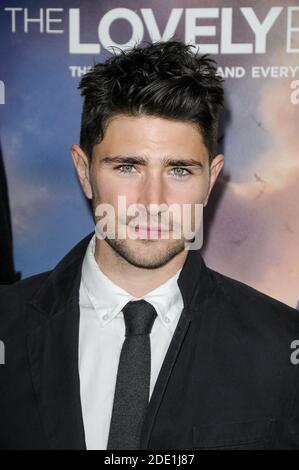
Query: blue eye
x=126 y=169
x=122 y=168
x=180 y=175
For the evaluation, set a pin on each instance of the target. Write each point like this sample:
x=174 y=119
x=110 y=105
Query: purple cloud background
x=254 y=233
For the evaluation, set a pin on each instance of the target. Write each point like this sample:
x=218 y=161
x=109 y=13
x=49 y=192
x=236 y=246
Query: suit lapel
x=53 y=317
x=196 y=286
x=164 y=374
x=53 y=354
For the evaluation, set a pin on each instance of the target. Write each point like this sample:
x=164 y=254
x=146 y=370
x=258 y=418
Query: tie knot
x=139 y=316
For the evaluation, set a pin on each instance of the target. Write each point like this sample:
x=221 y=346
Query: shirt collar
x=108 y=299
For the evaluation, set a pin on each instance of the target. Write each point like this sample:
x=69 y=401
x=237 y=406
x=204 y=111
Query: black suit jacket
x=227 y=381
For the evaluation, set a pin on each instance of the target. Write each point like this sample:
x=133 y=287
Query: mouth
x=149 y=229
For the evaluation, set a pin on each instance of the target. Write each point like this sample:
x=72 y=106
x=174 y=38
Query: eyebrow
x=138 y=160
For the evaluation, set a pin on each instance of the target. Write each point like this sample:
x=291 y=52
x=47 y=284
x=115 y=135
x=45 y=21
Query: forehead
x=151 y=135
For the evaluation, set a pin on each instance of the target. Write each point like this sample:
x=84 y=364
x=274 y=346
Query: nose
x=152 y=193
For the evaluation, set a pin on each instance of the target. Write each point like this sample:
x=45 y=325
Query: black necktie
x=132 y=388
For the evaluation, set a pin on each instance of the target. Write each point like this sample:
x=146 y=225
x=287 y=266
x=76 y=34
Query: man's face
x=160 y=163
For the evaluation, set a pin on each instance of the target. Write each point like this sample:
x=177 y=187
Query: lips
x=147 y=228
x=150 y=228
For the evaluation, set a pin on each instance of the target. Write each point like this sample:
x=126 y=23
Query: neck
x=135 y=280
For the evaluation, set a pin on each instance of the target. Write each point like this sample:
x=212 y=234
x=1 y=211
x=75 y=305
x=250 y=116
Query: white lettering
x=50 y=20
x=75 y=47
x=78 y=71
x=115 y=14
x=261 y=29
x=274 y=71
x=291 y=29
x=192 y=30
x=227 y=46
x=152 y=27
x=39 y=20
x=13 y=17
x=295 y=93
x=231 y=72
x=2 y=92
x=2 y=353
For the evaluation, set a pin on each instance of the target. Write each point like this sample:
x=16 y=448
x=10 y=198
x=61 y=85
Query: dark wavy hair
x=164 y=79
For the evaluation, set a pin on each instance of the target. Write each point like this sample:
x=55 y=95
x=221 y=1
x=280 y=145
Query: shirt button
x=105 y=317
x=166 y=319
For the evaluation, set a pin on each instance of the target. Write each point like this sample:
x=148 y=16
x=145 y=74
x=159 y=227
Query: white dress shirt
x=101 y=336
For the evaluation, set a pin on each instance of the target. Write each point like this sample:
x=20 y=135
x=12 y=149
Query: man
x=133 y=342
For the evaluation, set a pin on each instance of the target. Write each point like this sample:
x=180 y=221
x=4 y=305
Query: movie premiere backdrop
x=251 y=224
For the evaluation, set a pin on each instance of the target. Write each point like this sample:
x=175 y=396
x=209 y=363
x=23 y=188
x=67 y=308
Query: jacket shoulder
x=254 y=304
x=13 y=299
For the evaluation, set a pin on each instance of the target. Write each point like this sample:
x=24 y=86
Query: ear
x=216 y=166
x=81 y=163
